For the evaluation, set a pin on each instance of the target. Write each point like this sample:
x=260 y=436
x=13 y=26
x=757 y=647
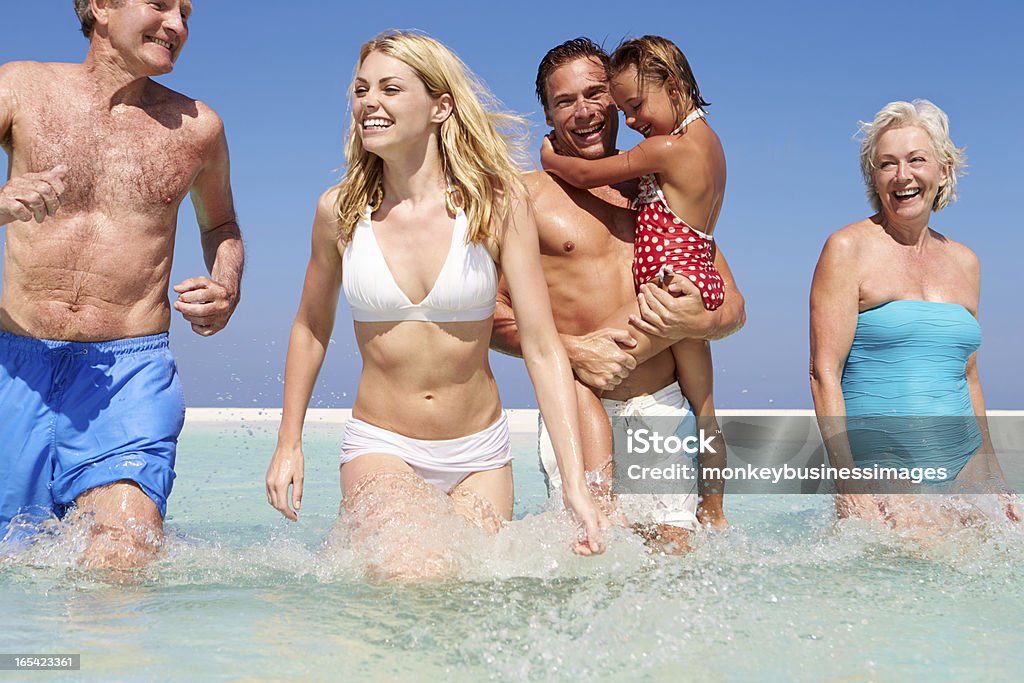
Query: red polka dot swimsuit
x=663 y=239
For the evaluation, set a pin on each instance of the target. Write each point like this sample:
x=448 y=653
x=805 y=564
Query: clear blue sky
x=787 y=82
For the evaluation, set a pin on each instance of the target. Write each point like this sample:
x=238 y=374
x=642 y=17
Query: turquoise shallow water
x=785 y=595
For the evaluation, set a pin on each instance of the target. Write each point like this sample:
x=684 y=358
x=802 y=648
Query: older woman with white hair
x=894 y=329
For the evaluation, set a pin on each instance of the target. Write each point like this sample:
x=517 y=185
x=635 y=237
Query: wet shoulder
x=30 y=89
x=548 y=199
x=326 y=227
x=957 y=250
x=539 y=184
x=854 y=238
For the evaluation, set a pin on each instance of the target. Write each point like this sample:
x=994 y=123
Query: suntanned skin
x=585 y=237
x=893 y=255
x=100 y=159
x=423 y=379
x=586 y=242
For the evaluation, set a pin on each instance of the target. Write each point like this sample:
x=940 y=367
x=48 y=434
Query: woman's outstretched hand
x=286 y=470
x=593 y=523
x=860 y=505
x=1009 y=505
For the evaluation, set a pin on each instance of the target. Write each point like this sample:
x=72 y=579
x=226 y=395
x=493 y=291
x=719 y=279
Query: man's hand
x=598 y=358
x=675 y=314
x=32 y=196
x=206 y=304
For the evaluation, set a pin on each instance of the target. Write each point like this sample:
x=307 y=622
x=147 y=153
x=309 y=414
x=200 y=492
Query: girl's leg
x=695 y=373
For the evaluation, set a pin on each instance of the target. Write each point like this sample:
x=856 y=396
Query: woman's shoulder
x=852 y=238
x=325 y=222
x=328 y=199
x=960 y=252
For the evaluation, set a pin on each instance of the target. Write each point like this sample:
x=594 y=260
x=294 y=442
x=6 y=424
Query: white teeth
x=162 y=43
x=907 y=193
x=588 y=131
x=376 y=123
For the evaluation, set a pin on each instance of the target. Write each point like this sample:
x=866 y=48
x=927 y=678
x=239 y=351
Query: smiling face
x=650 y=108
x=147 y=34
x=580 y=109
x=392 y=107
x=908 y=173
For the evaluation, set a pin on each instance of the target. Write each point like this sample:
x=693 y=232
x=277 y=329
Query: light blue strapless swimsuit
x=907 y=363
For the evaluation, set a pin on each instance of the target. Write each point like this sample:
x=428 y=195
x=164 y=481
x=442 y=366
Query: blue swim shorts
x=77 y=415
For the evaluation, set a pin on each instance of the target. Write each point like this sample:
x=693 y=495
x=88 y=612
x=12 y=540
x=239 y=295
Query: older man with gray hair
x=100 y=159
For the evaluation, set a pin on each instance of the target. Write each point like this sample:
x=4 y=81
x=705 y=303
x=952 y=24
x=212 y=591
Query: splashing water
x=788 y=593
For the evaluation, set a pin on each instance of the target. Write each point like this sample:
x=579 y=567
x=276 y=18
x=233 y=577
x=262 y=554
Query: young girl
x=681 y=167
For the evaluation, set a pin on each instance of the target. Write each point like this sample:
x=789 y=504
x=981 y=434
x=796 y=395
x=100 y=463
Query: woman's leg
x=485 y=498
x=395 y=520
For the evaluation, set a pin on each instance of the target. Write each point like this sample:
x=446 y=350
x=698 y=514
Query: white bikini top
x=465 y=289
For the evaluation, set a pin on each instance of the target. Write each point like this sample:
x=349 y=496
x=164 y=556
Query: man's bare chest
x=127 y=159
x=571 y=235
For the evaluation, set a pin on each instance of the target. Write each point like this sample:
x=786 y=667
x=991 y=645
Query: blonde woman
x=429 y=208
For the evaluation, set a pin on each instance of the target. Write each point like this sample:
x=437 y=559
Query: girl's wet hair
x=659 y=60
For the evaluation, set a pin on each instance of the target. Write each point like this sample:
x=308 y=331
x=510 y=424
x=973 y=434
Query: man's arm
x=505 y=333
x=8 y=74
x=208 y=302
x=597 y=359
x=32 y=195
x=679 y=313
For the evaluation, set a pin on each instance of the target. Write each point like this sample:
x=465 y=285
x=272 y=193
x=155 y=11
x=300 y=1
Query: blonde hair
x=933 y=121
x=476 y=154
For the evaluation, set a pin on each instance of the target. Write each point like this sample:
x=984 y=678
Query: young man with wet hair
x=586 y=242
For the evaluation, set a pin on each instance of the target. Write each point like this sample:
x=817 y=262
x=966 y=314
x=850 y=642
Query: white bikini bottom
x=441 y=462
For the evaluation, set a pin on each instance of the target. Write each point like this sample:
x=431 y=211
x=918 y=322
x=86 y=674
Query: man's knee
x=125 y=528
x=119 y=500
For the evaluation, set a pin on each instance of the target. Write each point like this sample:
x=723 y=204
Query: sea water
x=786 y=594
